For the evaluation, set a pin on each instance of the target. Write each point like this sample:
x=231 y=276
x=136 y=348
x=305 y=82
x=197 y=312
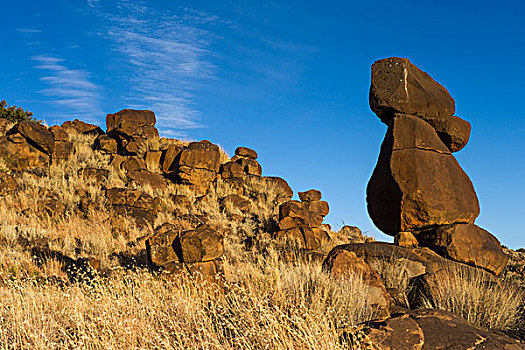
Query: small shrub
x=15 y=114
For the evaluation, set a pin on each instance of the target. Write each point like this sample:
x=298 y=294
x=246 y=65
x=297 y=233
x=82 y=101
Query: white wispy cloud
x=93 y=3
x=28 y=30
x=70 y=88
x=166 y=56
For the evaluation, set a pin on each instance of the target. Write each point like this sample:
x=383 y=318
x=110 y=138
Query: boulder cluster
x=418 y=192
x=188 y=241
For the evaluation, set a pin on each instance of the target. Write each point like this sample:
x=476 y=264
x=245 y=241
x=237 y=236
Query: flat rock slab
x=434 y=329
x=466 y=243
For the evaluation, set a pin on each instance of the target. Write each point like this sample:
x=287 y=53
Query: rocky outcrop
x=417 y=185
x=80 y=127
x=136 y=204
x=301 y=221
x=433 y=329
x=466 y=243
x=132 y=129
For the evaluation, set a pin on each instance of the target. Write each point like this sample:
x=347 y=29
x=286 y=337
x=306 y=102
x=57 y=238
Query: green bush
x=15 y=114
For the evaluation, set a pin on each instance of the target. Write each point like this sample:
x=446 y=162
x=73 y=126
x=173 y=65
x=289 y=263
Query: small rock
x=310 y=195
x=246 y=152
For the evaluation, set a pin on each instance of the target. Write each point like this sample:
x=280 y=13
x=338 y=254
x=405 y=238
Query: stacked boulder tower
x=418 y=192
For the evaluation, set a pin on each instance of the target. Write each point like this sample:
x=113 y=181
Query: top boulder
x=398 y=86
x=129 y=120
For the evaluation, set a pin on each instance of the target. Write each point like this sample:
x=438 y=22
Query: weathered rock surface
x=310 y=195
x=454 y=132
x=142 y=207
x=106 y=144
x=398 y=86
x=404 y=197
x=63 y=147
x=80 y=127
x=416 y=261
x=200 y=245
x=19 y=155
x=145 y=177
x=246 y=152
x=434 y=329
x=466 y=243
x=132 y=129
x=37 y=135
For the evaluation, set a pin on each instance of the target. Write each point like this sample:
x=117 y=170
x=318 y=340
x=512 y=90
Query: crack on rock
x=422 y=149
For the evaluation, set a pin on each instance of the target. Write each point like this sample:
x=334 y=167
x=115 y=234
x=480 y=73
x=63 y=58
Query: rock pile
x=196 y=251
x=301 y=221
x=417 y=187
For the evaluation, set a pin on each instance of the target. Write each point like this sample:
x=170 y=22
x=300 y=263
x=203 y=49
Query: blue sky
x=289 y=79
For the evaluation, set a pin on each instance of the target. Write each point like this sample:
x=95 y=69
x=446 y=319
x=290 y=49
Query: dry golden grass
x=265 y=304
x=466 y=292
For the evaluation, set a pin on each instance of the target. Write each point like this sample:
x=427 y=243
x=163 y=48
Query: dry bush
x=466 y=292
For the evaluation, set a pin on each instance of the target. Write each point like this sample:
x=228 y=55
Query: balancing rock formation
x=418 y=189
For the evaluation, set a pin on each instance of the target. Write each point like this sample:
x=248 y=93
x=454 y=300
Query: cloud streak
x=71 y=89
x=166 y=57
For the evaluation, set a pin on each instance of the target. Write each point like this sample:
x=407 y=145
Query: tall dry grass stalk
x=288 y=307
x=467 y=292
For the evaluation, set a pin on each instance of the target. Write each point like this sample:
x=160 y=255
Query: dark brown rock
x=310 y=195
x=231 y=170
x=405 y=239
x=63 y=150
x=416 y=185
x=153 y=160
x=106 y=144
x=201 y=155
x=246 y=152
x=318 y=207
x=80 y=127
x=315 y=238
x=398 y=86
x=20 y=155
x=159 y=247
x=37 y=135
x=133 y=163
x=59 y=134
x=454 y=132
x=142 y=207
x=248 y=165
x=132 y=129
x=198 y=179
x=145 y=177
x=417 y=261
x=466 y=243
x=410 y=132
x=130 y=121
x=199 y=245
x=170 y=159
x=434 y=329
